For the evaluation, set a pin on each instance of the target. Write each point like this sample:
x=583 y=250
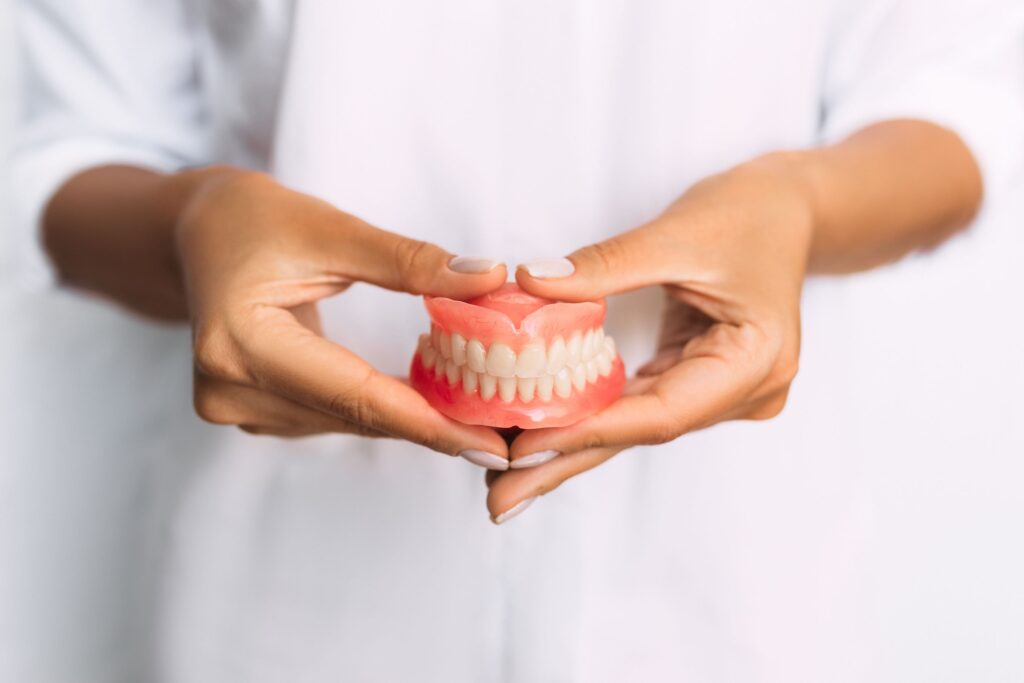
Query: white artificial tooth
x=531 y=361
x=545 y=383
x=422 y=343
x=470 y=380
x=527 y=386
x=445 y=349
x=501 y=360
x=506 y=389
x=458 y=348
x=452 y=372
x=488 y=386
x=587 y=350
x=591 y=370
x=579 y=377
x=556 y=356
x=429 y=357
x=604 y=363
x=598 y=340
x=609 y=345
x=476 y=356
x=435 y=337
x=563 y=383
x=573 y=349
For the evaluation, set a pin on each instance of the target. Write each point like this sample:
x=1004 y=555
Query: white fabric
x=750 y=552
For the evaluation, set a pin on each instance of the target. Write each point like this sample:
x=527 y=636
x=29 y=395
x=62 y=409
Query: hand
x=256 y=257
x=731 y=255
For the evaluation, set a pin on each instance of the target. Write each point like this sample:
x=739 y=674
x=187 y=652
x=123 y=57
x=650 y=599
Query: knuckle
x=608 y=255
x=413 y=260
x=212 y=406
x=214 y=356
x=785 y=370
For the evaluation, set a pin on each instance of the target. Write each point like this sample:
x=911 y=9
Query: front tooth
x=445 y=349
x=556 y=356
x=604 y=363
x=452 y=372
x=563 y=383
x=470 y=380
x=545 y=383
x=579 y=377
x=488 y=386
x=573 y=349
x=506 y=389
x=587 y=351
x=591 y=370
x=501 y=360
x=527 y=385
x=429 y=357
x=476 y=356
x=531 y=361
x=458 y=348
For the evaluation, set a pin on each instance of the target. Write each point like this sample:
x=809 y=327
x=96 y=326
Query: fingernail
x=513 y=511
x=549 y=268
x=473 y=265
x=484 y=459
x=533 y=459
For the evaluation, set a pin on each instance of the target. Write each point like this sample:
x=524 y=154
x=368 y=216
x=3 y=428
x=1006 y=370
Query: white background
x=948 y=592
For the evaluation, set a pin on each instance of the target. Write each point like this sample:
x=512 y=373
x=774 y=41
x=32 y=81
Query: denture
x=511 y=359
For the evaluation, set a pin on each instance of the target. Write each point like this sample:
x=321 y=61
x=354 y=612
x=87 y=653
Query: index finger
x=288 y=359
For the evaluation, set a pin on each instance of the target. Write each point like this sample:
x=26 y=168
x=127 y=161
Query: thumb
x=401 y=264
x=639 y=258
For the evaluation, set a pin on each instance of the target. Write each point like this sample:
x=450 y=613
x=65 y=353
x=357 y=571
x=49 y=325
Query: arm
x=732 y=254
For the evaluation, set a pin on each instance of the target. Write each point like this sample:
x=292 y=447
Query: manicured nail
x=484 y=459
x=513 y=511
x=533 y=459
x=473 y=265
x=549 y=268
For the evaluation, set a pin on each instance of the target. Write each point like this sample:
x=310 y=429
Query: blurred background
x=946 y=519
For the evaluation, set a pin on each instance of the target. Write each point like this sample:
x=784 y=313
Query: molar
x=445 y=346
x=452 y=372
x=591 y=366
x=579 y=377
x=501 y=360
x=531 y=361
x=587 y=349
x=604 y=363
x=476 y=356
x=429 y=357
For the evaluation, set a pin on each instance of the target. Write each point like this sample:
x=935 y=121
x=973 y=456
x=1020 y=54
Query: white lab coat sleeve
x=101 y=82
x=956 y=63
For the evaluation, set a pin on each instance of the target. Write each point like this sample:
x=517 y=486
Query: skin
x=245 y=260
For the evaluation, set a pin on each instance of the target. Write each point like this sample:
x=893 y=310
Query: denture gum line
x=537 y=371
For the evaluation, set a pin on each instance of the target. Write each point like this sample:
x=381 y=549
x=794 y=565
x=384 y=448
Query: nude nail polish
x=473 y=265
x=513 y=511
x=484 y=459
x=533 y=459
x=549 y=268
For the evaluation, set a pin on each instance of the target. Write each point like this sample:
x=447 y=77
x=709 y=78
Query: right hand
x=256 y=257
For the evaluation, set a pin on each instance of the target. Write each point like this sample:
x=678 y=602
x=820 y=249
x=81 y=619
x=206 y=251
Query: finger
x=398 y=263
x=642 y=257
x=289 y=360
x=510 y=492
x=717 y=374
x=259 y=412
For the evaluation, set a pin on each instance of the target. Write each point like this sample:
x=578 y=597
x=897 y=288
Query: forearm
x=110 y=230
x=888 y=190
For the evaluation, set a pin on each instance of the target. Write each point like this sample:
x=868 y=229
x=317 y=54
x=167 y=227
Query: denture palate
x=537 y=372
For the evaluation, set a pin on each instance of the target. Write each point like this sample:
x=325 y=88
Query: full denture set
x=510 y=359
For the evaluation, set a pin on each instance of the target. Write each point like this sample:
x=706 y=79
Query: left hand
x=731 y=255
